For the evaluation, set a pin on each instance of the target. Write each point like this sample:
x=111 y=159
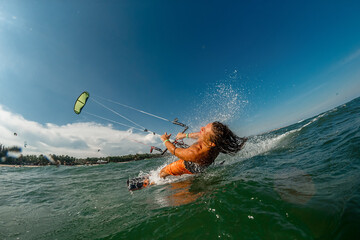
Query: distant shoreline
x=92 y=164
x=15 y=165
x=64 y=160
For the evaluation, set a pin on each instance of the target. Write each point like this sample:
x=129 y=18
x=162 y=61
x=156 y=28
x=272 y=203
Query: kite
x=80 y=102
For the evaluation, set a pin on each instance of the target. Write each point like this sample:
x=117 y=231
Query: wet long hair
x=225 y=140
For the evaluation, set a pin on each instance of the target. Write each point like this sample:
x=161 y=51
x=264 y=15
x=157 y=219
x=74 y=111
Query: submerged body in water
x=298 y=182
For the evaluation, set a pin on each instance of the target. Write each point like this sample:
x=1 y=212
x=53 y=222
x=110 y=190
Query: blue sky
x=256 y=65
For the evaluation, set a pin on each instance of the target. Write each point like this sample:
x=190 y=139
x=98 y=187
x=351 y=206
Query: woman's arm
x=194 y=135
x=192 y=153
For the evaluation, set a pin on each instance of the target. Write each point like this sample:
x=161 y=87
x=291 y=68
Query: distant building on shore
x=102 y=162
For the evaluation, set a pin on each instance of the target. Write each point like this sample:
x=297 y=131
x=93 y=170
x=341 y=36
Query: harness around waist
x=194 y=167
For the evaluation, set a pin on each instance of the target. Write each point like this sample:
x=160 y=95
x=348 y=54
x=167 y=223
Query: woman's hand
x=180 y=136
x=165 y=137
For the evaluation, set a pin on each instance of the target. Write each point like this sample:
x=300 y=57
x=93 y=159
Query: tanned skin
x=203 y=152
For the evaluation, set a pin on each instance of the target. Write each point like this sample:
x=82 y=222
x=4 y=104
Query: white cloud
x=76 y=139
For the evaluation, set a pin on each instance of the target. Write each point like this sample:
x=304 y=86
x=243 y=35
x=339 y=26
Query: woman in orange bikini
x=213 y=139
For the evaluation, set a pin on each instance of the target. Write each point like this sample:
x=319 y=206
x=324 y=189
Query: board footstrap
x=138 y=183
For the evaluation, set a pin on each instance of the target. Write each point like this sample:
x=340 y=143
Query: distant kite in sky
x=80 y=102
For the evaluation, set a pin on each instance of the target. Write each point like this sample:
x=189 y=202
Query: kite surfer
x=212 y=139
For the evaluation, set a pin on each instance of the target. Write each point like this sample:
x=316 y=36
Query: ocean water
x=298 y=182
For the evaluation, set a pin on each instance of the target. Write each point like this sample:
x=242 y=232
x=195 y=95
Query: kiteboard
x=138 y=183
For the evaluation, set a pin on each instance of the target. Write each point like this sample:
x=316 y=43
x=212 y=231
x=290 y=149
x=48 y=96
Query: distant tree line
x=53 y=159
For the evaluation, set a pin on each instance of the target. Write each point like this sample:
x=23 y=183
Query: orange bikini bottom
x=180 y=167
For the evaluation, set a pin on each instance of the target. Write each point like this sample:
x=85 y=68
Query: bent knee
x=163 y=173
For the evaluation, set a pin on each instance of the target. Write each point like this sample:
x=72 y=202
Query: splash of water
x=261 y=144
x=222 y=102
